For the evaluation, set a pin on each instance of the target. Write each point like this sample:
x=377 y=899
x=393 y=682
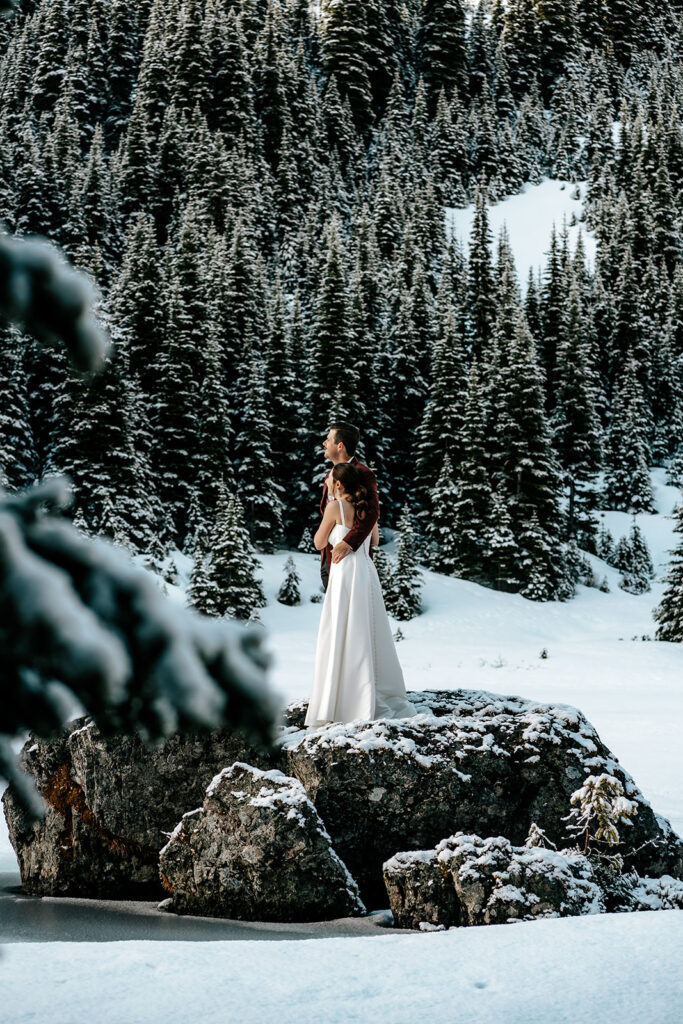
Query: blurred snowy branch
x=79 y=625
x=43 y=294
x=75 y=612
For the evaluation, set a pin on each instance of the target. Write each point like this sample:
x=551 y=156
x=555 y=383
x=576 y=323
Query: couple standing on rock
x=357 y=672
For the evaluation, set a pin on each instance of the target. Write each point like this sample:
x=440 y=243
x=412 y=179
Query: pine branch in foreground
x=75 y=612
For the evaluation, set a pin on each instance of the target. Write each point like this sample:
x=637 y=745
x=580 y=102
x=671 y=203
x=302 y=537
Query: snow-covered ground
x=624 y=968
x=613 y=969
x=530 y=216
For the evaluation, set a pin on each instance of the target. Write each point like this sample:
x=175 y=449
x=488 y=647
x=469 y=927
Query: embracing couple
x=357 y=672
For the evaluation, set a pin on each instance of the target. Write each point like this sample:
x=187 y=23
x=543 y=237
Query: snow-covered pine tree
x=669 y=612
x=290 y=592
x=481 y=290
x=575 y=421
x=558 y=38
x=531 y=474
x=100 y=451
x=17 y=457
x=441 y=540
x=634 y=561
x=258 y=490
x=234 y=564
x=135 y=303
x=349 y=53
x=501 y=546
x=543 y=579
x=404 y=599
x=442 y=49
x=599 y=808
x=554 y=312
x=330 y=327
x=306 y=543
x=470 y=513
x=440 y=429
x=385 y=572
x=628 y=487
x=203 y=593
x=214 y=466
x=604 y=544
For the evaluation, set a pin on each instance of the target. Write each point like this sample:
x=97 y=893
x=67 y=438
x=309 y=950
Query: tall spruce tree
x=669 y=612
x=627 y=480
x=405 y=600
x=17 y=457
x=472 y=510
x=259 y=493
x=233 y=563
x=575 y=420
x=442 y=50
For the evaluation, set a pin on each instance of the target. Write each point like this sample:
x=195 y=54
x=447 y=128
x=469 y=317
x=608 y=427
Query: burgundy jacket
x=360 y=530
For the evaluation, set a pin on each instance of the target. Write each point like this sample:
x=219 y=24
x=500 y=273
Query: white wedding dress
x=357 y=672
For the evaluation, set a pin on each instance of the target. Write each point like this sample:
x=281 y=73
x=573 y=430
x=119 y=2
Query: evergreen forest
x=258 y=191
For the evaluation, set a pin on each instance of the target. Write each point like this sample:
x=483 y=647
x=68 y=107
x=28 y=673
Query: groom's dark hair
x=346 y=434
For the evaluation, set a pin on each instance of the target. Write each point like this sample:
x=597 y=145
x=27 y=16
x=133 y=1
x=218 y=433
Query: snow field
x=606 y=969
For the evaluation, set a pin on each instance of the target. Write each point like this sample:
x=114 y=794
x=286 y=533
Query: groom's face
x=331 y=448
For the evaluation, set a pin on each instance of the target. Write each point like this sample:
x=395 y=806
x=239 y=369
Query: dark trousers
x=324 y=573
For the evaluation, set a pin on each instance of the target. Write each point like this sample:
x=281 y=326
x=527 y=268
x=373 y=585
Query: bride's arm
x=325 y=529
x=374 y=536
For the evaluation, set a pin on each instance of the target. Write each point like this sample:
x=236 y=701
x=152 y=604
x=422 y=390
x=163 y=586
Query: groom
x=340 y=446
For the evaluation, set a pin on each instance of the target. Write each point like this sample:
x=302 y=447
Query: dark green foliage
x=442 y=49
x=17 y=455
x=471 y=510
x=259 y=493
x=203 y=593
x=628 y=485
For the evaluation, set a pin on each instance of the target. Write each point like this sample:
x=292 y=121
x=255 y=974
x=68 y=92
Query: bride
x=357 y=672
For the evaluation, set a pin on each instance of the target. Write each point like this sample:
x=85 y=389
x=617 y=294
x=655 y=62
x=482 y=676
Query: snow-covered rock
x=256 y=850
x=470 y=761
x=634 y=893
x=111 y=803
x=468 y=880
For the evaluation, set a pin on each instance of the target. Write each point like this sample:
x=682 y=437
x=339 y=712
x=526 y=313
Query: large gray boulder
x=470 y=761
x=256 y=850
x=468 y=880
x=111 y=803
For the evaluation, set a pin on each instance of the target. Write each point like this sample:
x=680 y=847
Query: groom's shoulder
x=365 y=471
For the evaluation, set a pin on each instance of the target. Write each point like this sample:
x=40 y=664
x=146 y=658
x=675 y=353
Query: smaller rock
x=420 y=891
x=258 y=851
x=468 y=880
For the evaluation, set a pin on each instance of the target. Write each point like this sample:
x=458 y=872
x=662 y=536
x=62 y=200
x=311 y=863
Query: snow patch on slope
x=530 y=216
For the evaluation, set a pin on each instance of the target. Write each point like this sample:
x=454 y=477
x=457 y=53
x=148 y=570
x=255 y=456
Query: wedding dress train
x=357 y=671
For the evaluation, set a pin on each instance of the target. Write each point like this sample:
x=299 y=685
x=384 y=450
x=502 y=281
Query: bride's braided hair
x=350 y=479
